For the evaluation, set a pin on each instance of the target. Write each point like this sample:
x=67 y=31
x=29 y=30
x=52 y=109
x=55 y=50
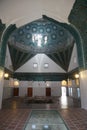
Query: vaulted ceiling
x=44 y=35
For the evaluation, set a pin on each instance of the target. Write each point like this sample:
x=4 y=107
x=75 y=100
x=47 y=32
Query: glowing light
x=33 y=126
x=64 y=101
x=76 y=76
x=16 y=83
x=45 y=39
x=64 y=83
x=63 y=91
x=6 y=75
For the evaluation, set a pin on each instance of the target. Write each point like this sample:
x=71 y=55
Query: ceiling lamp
x=6 y=75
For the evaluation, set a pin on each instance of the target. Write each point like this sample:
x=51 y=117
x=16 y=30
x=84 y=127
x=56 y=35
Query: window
x=35 y=65
x=46 y=65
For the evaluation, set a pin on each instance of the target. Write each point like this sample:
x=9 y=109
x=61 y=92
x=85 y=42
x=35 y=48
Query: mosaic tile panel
x=49 y=32
x=44 y=35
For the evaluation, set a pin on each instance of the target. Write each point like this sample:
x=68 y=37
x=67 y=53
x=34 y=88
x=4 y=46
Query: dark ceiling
x=44 y=35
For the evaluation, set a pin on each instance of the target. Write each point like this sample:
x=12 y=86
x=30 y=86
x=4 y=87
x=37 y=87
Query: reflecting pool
x=45 y=120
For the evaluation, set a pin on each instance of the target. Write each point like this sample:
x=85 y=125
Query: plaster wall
x=39 y=88
x=8 y=63
x=1 y=87
x=83 y=88
x=74 y=59
x=40 y=59
x=25 y=11
x=7 y=90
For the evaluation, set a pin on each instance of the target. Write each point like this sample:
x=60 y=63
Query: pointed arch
x=4 y=38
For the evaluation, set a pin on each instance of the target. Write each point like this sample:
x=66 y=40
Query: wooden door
x=16 y=92
x=48 y=91
x=29 y=92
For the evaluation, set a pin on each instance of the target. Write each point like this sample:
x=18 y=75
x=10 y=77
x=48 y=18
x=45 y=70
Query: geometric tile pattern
x=75 y=118
x=43 y=35
x=13 y=119
x=16 y=118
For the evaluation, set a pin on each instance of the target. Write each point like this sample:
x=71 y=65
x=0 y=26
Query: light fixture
x=63 y=83
x=6 y=75
x=77 y=79
x=16 y=83
x=76 y=76
x=66 y=83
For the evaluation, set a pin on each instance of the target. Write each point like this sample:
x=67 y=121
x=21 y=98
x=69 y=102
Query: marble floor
x=62 y=102
x=15 y=115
